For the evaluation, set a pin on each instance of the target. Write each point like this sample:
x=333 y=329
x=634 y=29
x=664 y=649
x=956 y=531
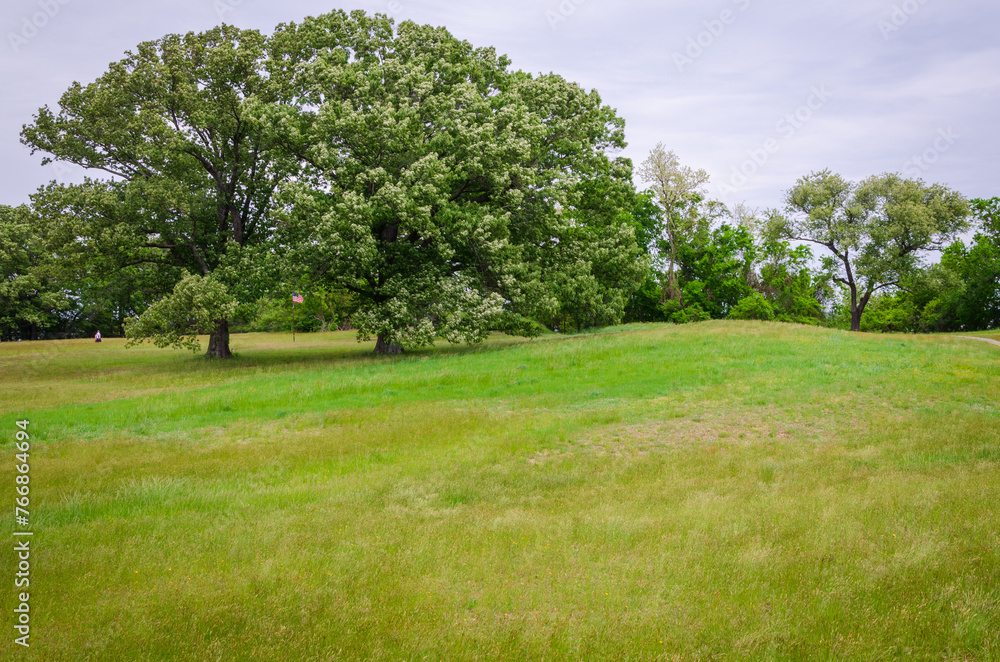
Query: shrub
x=753 y=307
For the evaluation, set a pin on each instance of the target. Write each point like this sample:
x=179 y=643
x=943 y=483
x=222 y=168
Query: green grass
x=710 y=491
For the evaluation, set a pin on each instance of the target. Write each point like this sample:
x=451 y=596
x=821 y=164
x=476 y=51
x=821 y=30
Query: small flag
x=296 y=298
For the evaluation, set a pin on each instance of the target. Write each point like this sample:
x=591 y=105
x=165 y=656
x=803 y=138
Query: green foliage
x=331 y=308
x=196 y=306
x=275 y=315
x=30 y=299
x=589 y=273
x=103 y=301
x=717 y=270
x=752 y=307
x=644 y=304
x=717 y=266
x=978 y=268
x=449 y=194
x=875 y=230
x=935 y=294
x=787 y=281
x=194 y=174
x=692 y=312
x=962 y=293
x=321 y=310
x=889 y=313
x=987 y=211
x=647 y=218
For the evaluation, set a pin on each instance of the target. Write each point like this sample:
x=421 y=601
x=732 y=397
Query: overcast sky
x=756 y=92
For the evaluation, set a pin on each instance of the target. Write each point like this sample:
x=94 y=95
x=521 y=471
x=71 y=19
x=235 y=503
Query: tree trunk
x=386 y=345
x=858 y=309
x=856 y=317
x=218 y=342
x=673 y=291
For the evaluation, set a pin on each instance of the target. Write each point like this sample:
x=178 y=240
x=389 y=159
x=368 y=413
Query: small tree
x=875 y=230
x=752 y=307
x=196 y=306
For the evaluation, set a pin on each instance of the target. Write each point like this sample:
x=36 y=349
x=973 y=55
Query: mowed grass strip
x=728 y=490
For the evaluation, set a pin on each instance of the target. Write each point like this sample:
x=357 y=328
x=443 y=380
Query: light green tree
x=448 y=193
x=876 y=230
x=197 y=305
x=678 y=190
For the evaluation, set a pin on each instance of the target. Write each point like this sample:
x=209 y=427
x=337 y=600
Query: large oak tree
x=449 y=193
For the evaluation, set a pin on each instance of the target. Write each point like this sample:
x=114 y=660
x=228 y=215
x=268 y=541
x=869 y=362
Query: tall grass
x=720 y=490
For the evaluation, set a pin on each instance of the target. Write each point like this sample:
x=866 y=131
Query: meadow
x=721 y=490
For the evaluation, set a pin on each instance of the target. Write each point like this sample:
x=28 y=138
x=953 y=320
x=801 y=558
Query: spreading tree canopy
x=449 y=193
x=875 y=229
x=188 y=176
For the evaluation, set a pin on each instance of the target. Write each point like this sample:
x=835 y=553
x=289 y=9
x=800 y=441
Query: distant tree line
x=415 y=188
x=871 y=272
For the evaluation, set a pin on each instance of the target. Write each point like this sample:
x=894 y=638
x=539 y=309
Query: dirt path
x=983 y=339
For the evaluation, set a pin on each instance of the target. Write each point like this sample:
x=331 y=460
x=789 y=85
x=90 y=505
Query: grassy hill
x=718 y=490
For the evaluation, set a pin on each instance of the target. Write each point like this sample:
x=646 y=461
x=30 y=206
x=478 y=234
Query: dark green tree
x=31 y=300
x=788 y=282
x=190 y=174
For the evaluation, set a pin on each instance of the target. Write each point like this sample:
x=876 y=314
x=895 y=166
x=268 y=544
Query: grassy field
x=719 y=490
